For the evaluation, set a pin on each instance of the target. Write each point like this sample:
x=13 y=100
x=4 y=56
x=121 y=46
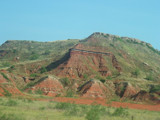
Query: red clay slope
x=8 y=85
x=83 y=61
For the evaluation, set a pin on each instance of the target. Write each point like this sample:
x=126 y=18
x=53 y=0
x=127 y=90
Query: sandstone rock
x=82 y=61
x=93 y=89
x=145 y=96
x=126 y=90
x=49 y=86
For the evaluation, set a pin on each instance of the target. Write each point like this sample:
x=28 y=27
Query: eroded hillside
x=100 y=66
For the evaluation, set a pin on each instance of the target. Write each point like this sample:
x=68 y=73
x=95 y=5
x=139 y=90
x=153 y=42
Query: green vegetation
x=149 y=77
x=23 y=109
x=6 y=116
x=155 y=88
x=65 y=81
x=7 y=93
x=39 y=91
x=85 y=76
x=121 y=112
x=34 y=57
x=5 y=76
x=34 y=75
x=43 y=70
x=136 y=72
x=69 y=93
x=109 y=78
x=5 y=64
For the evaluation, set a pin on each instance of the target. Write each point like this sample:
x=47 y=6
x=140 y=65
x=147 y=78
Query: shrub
x=85 y=76
x=33 y=75
x=41 y=108
x=34 y=57
x=10 y=117
x=69 y=93
x=102 y=80
x=43 y=69
x=30 y=84
x=109 y=78
x=5 y=76
x=120 y=112
x=40 y=92
x=136 y=72
x=65 y=81
x=95 y=112
x=10 y=103
x=47 y=52
x=7 y=93
x=6 y=64
x=73 y=110
x=149 y=77
x=62 y=106
x=155 y=88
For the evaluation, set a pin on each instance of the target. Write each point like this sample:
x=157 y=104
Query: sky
x=50 y=20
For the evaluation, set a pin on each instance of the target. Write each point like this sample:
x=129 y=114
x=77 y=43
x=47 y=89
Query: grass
x=23 y=109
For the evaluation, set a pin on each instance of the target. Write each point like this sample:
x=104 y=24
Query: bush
x=7 y=93
x=69 y=93
x=6 y=64
x=109 y=78
x=5 y=76
x=40 y=92
x=62 y=106
x=102 y=80
x=85 y=76
x=136 y=72
x=120 y=112
x=10 y=117
x=43 y=69
x=33 y=75
x=95 y=112
x=11 y=103
x=34 y=57
x=155 y=88
x=65 y=81
x=149 y=77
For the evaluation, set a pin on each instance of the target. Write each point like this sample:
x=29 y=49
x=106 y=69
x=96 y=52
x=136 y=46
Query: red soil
x=113 y=104
x=81 y=63
x=50 y=86
x=9 y=85
x=94 y=89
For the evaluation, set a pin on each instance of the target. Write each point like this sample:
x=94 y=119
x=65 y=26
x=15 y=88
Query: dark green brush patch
x=5 y=76
x=155 y=88
x=7 y=93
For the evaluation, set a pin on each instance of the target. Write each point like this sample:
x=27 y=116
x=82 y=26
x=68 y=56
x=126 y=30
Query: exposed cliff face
x=49 y=85
x=126 y=90
x=88 y=61
x=147 y=97
x=94 y=89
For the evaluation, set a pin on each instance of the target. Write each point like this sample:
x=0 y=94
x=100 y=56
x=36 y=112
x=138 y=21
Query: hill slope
x=127 y=67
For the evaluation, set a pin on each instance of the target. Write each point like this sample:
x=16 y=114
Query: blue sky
x=49 y=20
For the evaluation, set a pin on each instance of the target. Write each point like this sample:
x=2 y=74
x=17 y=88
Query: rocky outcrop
x=83 y=61
x=144 y=96
x=126 y=90
x=93 y=89
x=49 y=85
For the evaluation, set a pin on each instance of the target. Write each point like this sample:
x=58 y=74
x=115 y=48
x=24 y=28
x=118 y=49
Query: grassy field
x=26 y=109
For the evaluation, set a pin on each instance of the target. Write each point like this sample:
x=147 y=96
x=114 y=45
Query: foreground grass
x=25 y=109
